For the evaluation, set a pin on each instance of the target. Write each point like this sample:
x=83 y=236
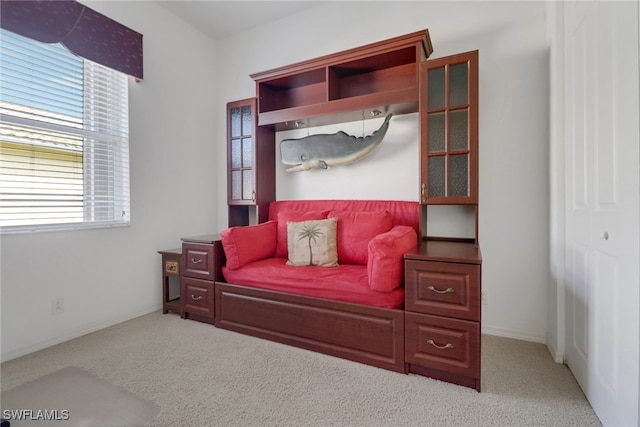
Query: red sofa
x=354 y=310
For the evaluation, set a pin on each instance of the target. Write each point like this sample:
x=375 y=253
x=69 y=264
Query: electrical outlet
x=57 y=306
x=484 y=298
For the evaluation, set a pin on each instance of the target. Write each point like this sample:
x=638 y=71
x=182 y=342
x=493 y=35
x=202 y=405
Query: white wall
x=107 y=276
x=514 y=129
x=354 y=180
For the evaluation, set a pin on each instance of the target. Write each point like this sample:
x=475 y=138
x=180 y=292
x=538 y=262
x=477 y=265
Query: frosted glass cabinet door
x=251 y=184
x=449 y=129
x=241 y=152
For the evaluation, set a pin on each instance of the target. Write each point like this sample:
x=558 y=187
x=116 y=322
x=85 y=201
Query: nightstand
x=171 y=261
x=202 y=260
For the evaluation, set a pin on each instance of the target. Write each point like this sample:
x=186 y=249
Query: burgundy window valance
x=82 y=30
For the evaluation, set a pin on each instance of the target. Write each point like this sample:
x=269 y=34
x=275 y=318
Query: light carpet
x=203 y=376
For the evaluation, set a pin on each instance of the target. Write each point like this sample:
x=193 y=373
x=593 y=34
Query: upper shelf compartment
x=344 y=86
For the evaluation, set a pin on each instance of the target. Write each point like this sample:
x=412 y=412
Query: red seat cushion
x=347 y=282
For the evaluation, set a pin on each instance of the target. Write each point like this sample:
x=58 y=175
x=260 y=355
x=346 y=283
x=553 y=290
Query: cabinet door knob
x=196 y=261
x=605 y=235
x=196 y=298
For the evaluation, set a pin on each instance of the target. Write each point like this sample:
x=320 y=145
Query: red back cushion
x=355 y=231
x=243 y=245
x=385 y=267
x=403 y=212
x=293 y=216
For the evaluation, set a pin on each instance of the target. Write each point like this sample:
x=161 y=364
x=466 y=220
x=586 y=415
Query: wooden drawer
x=198 y=298
x=198 y=260
x=448 y=345
x=171 y=267
x=443 y=288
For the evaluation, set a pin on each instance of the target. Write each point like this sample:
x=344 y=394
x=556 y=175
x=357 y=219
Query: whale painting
x=325 y=150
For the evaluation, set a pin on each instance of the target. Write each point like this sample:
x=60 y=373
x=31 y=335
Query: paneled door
x=602 y=197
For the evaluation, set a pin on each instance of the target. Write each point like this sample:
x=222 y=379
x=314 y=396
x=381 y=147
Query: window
x=64 y=139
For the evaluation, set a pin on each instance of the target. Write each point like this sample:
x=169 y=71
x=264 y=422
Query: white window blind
x=64 y=139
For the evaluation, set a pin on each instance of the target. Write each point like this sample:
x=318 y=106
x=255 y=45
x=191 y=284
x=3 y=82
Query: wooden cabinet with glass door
x=443 y=277
x=449 y=127
x=250 y=163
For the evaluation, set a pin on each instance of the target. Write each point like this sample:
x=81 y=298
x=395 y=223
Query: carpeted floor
x=203 y=376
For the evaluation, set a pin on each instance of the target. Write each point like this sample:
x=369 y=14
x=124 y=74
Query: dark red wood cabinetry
x=442 y=317
x=202 y=261
x=442 y=311
x=443 y=277
x=344 y=86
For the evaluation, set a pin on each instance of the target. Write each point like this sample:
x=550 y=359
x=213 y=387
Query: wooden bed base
x=365 y=334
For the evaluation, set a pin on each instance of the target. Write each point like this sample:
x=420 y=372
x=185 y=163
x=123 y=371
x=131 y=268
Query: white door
x=602 y=275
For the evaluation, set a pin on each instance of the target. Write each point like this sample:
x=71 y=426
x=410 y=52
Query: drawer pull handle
x=196 y=261
x=196 y=298
x=440 y=347
x=446 y=291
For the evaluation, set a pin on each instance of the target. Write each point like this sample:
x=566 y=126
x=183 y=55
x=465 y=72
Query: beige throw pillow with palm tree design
x=312 y=243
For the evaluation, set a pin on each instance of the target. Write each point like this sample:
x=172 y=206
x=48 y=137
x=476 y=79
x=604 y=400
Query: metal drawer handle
x=439 y=347
x=195 y=261
x=446 y=291
x=195 y=298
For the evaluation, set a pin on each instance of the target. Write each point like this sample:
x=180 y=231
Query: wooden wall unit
x=442 y=315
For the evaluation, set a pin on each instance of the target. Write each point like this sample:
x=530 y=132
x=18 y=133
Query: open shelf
x=295 y=90
x=385 y=72
x=348 y=85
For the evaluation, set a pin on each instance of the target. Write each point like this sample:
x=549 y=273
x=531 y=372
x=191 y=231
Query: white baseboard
x=558 y=356
x=78 y=332
x=517 y=335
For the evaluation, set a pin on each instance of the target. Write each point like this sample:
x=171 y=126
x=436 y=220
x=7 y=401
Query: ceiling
x=219 y=19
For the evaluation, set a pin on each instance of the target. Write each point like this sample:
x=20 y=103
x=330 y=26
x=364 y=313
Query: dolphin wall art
x=324 y=150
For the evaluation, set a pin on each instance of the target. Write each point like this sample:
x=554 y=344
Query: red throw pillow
x=355 y=231
x=246 y=244
x=293 y=216
x=386 y=267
